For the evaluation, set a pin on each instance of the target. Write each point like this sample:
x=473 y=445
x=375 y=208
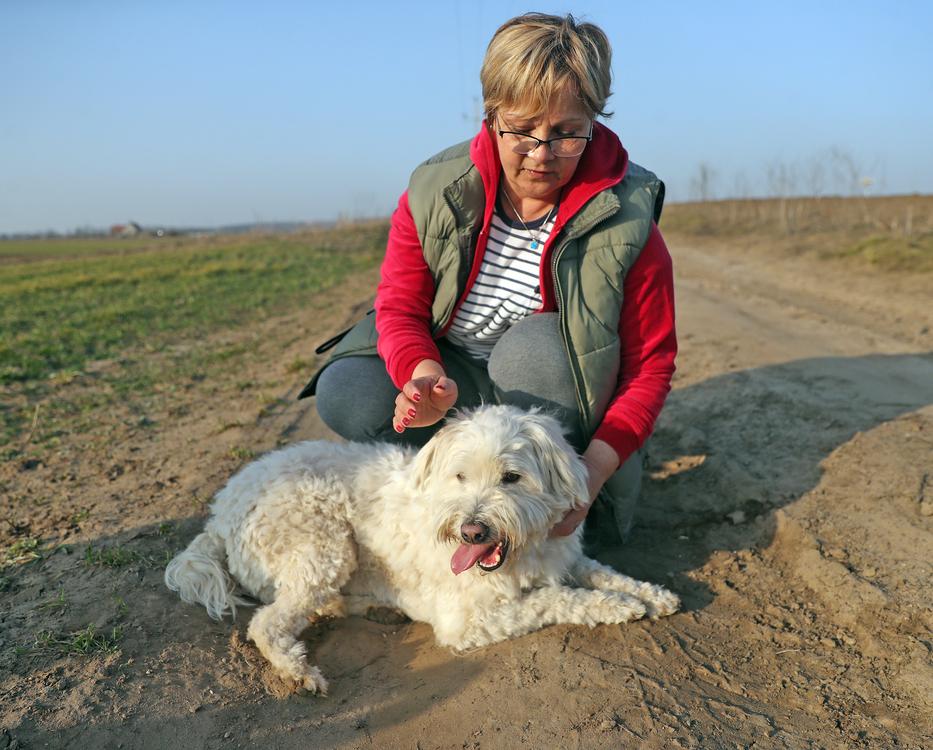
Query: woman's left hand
x=601 y=462
x=569 y=523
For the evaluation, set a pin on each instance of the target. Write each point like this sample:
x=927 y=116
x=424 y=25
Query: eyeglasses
x=565 y=145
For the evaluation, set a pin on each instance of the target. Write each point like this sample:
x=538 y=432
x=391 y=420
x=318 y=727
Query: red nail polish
x=411 y=412
x=406 y=421
x=398 y=428
x=416 y=397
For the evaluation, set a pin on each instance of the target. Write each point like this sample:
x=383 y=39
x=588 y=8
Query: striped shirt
x=507 y=287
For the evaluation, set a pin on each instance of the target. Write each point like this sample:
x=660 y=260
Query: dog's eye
x=460 y=477
x=510 y=477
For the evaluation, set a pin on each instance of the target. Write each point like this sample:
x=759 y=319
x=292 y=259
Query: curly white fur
x=320 y=525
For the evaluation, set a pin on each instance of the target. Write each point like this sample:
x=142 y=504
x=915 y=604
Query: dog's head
x=499 y=478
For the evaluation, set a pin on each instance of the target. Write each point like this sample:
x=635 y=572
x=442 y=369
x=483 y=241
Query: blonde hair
x=533 y=57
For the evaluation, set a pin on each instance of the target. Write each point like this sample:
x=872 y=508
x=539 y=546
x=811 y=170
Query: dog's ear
x=564 y=471
x=428 y=458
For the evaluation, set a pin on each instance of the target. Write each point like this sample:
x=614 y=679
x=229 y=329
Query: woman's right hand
x=424 y=399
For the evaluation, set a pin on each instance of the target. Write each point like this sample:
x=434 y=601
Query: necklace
x=534 y=235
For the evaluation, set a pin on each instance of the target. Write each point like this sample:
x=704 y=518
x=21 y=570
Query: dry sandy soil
x=789 y=502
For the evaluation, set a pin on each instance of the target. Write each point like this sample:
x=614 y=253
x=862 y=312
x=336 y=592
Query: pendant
x=534 y=244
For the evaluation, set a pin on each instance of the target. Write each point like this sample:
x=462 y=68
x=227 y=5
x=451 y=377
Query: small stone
x=926 y=508
x=737 y=517
x=607 y=725
x=869 y=572
x=828 y=642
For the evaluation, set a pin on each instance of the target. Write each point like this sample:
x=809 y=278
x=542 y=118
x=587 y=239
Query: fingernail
x=416 y=397
x=406 y=421
x=411 y=412
x=398 y=428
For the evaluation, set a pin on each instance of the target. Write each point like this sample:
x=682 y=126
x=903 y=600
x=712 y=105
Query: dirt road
x=789 y=503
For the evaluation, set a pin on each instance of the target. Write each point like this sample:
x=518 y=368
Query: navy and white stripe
x=507 y=287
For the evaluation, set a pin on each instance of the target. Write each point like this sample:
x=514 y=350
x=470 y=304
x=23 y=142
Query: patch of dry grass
x=893 y=233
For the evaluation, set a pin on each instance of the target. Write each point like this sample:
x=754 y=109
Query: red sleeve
x=649 y=345
x=403 y=300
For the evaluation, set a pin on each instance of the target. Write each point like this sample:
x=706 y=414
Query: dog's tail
x=199 y=577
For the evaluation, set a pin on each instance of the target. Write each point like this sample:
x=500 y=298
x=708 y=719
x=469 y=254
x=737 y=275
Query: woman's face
x=540 y=175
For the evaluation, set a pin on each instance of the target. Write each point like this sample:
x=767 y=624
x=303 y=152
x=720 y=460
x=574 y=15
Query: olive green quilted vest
x=590 y=259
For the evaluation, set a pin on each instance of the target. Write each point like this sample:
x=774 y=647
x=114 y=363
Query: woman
x=523 y=267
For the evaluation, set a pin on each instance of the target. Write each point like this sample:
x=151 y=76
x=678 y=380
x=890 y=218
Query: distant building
x=126 y=230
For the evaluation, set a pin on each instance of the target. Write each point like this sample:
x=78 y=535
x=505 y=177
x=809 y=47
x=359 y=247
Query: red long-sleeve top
x=646 y=323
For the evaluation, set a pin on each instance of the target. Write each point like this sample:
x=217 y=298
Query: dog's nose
x=474 y=533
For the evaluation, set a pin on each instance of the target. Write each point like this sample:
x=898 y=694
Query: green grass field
x=59 y=315
x=58 y=247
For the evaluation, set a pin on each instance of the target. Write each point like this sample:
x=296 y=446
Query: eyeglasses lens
x=560 y=147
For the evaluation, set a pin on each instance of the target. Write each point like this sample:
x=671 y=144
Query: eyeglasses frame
x=549 y=141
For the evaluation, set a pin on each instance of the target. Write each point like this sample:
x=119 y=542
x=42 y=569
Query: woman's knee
x=529 y=368
x=356 y=398
x=530 y=363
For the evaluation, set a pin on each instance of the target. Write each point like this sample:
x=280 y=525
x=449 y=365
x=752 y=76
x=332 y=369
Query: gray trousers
x=527 y=367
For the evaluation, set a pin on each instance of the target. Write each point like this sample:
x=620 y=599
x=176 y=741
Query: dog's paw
x=313 y=683
x=663 y=603
x=613 y=608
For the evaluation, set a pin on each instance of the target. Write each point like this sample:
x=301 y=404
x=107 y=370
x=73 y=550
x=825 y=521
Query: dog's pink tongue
x=466 y=556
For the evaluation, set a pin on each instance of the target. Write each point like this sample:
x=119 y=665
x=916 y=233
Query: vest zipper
x=585 y=417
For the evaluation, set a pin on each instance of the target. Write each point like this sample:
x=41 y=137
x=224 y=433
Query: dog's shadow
x=387 y=661
x=729 y=451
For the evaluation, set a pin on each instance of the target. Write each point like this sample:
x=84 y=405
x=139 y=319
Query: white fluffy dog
x=455 y=535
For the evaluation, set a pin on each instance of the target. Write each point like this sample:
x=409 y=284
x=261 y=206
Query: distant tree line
x=830 y=172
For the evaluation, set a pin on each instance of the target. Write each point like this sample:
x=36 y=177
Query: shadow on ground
x=731 y=450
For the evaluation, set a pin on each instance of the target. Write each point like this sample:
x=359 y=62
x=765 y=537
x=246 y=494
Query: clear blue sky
x=188 y=113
